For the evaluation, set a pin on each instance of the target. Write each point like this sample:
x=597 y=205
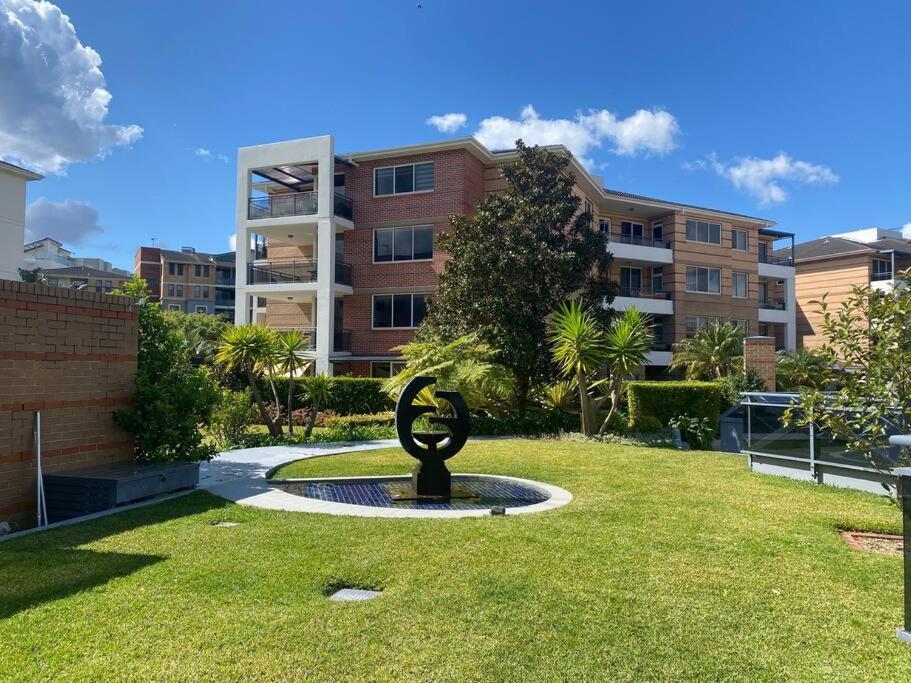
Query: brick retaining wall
x=72 y=355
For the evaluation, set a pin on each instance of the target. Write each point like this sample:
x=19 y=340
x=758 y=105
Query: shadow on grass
x=50 y=565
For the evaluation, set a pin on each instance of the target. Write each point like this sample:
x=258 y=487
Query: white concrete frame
x=319 y=151
x=787 y=317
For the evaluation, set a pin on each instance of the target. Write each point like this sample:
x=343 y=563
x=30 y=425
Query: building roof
x=38 y=243
x=83 y=271
x=19 y=171
x=829 y=247
x=187 y=257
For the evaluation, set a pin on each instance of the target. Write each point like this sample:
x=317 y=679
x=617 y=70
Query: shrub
x=648 y=424
x=696 y=431
x=349 y=396
x=336 y=421
x=665 y=400
x=732 y=385
x=233 y=413
x=531 y=423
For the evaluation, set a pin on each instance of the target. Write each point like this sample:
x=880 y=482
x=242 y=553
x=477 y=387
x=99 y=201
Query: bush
x=350 y=395
x=648 y=424
x=233 y=413
x=532 y=423
x=665 y=400
x=696 y=431
x=732 y=385
x=337 y=421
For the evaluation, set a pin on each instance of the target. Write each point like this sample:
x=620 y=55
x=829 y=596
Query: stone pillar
x=759 y=353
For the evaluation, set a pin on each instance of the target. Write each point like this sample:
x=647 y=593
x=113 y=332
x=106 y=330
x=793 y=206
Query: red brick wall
x=72 y=355
x=147 y=265
x=759 y=353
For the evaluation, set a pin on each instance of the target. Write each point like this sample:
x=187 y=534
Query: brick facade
x=759 y=353
x=72 y=355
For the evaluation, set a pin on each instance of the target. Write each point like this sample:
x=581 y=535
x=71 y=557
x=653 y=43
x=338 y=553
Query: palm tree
x=713 y=352
x=579 y=347
x=628 y=340
x=318 y=389
x=244 y=348
x=801 y=369
x=290 y=348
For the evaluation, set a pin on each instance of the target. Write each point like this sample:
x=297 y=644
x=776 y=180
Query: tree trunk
x=614 y=402
x=585 y=405
x=522 y=382
x=258 y=397
x=278 y=405
x=311 y=420
x=290 y=402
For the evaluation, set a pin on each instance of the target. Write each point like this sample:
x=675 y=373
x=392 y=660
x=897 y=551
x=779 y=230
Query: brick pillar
x=759 y=353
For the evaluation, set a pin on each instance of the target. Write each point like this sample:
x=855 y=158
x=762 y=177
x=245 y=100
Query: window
x=763 y=291
x=398 y=310
x=180 y=291
x=197 y=270
x=205 y=292
x=403 y=179
x=630 y=281
x=205 y=271
x=739 y=240
x=657 y=279
x=604 y=225
x=763 y=251
x=339 y=183
x=703 y=280
x=170 y=290
x=694 y=323
x=631 y=230
x=108 y=285
x=172 y=269
x=743 y=325
x=385 y=368
x=700 y=231
x=882 y=270
x=658 y=231
x=658 y=330
x=201 y=309
x=403 y=244
x=173 y=307
x=197 y=290
x=98 y=284
x=739 y=285
x=764 y=329
x=588 y=208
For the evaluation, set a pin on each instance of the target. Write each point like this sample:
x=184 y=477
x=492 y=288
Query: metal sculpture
x=430 y=478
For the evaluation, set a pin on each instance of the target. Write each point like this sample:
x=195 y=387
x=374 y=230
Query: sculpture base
x=431 y=478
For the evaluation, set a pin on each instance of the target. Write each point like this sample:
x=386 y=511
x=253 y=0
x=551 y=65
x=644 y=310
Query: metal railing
x=295 y=204
x=879 y=277
x=639 y=293
x=639 y=241
x=776 y=260
x=343 y=274
x=777 y=305
x=282 y=272
x=342 y=340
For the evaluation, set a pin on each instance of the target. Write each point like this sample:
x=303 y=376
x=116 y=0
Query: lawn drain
x=339 y=590
x=224 y=523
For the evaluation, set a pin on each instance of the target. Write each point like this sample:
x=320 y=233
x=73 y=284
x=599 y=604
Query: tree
x=800 y=369
x=35 y=275
x=512 y=263
x=628 y=340
x=712 y=353
x=173 y=399
x=867 y=335
x=134 y=287
x=291 y=346
x=202 y=333
x=244 y=348
x=318 y=391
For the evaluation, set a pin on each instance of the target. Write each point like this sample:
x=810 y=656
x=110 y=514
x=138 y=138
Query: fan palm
x=247 y=348
x=713 y=352
x=290 y=349
x=318 y=389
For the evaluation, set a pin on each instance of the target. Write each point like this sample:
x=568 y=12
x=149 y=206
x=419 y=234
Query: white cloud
x=69 y=222
x=448 y=123
x=56 y=116
x=649 y=132
x=208 y=154
x=906 y=231
x=232 y=242
x=764 y=178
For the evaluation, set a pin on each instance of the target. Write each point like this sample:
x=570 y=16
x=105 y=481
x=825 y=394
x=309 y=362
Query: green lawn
x=679 y=565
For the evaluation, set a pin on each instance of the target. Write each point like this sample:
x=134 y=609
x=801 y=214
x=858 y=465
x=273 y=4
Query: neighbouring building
x=62 y=269
x=345 y=249
x=834 y=265
x=12 y=217
x=83 y=277
x=188 y=280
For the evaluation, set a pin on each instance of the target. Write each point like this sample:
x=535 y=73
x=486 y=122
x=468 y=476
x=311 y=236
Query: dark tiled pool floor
x=486 y=493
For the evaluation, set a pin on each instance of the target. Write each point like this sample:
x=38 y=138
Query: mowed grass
x=666 y=565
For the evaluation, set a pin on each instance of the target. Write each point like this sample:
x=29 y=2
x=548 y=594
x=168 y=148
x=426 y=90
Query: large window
x=703 y=280
x=694 y=323
x=743 y=325
x=739 y=285
x=403 y=179
x=882 y=270
x=631 y=230
x=398 y=310
x=175 y=269
x=700 y=231
x=739 y=240
x=403 y=244
x=385 y=368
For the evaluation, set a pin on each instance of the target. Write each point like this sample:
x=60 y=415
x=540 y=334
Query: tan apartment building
x=346 y=249
x=189 y=281
x=83 y=277
x=834 y=265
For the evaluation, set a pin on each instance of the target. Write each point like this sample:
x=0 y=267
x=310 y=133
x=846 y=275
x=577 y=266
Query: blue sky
x=798 y=112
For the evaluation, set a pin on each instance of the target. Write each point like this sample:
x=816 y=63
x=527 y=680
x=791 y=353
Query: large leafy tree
x=513 y=262
x=866 y=336
x=713 y=352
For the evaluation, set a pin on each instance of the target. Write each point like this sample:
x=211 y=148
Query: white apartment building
x=12 y=217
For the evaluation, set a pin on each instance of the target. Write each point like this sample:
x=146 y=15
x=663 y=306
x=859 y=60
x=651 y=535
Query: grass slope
x=666 y=565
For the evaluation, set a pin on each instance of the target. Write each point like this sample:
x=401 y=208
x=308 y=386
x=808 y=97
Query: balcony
x=645 y=300
x=773 y=311
x=776 y=260
x=295 y=204
x=342 y=341
x=778 y=267
x=644 y=249
x=287 y=272
x=777 y=305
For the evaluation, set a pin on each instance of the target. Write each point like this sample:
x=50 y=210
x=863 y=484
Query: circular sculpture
x=430 y=477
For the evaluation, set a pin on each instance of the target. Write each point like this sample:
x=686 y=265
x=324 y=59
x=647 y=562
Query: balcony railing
x=343 y=273
x=342 y=340
x=772 y=305
x=282 y=273
x=776 y=260
x=295 y=204
x=879 y=277
x=638 y=241
x=639 y=293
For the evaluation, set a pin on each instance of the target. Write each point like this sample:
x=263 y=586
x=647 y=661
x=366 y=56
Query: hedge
x=532 y=423
x=387 y=418
x=351 y=395
x=664 y=400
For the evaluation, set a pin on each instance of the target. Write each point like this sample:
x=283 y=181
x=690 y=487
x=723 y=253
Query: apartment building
x=189 y=281
x=345 y=249
x=48 y=254
x=833 y=265
x=84 y=277
x=13 y=180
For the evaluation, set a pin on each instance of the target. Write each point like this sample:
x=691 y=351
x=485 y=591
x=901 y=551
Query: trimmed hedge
x=351 y=395
x=532 y=423
x=335 y=421
x=664 y=400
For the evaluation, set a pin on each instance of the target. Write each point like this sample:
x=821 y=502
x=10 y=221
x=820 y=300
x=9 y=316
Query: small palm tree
x=801 y=369
x=578 y=344
x=318 y=389
x=627 y=341
x=291 y=346
x=245 y=348
x=713 y=352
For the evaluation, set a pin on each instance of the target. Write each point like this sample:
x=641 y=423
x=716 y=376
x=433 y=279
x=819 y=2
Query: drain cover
x=349 y=594
x=225 y=523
